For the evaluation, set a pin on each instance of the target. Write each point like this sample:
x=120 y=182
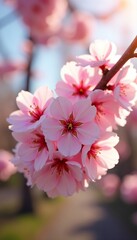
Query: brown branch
x=129 y=53
x=29 y=66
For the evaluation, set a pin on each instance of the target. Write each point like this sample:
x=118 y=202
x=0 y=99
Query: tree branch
x=129 y=53
x=29 y=66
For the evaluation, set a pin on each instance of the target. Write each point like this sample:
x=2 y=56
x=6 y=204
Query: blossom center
x=94 y=151
x=40 y=142
x=70 y=125
x=80 y=90
x=123 y=89
x=36 y=9
x=60 y=165
x=35 y=112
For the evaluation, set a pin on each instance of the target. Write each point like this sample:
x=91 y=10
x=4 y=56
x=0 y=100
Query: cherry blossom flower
x=105 y=114
x=71 y=125
x=102 y=54
x=124 y=87
x=128 y=188
x=7 y=67
x=32 y=108
x=61 y=176
x=134 y=218
x=25 y=167
x=7 y=169
x=123 y=149
x=100 y=156
x=110 y=184
x=81 y=32
x=34 y=148
x=77 y=82
x=43 y=17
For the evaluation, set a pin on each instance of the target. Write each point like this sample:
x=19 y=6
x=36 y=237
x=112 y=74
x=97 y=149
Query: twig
x=29 y=66
x=129 y=53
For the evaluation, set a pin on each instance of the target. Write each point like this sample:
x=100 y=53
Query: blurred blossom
x=110 y=184
x=132 y=121
x=134 y=218
x=129 y=188
x=81 y=32
x=10 y=67
x=124 y=149
x=43 y=17
x=6 y=167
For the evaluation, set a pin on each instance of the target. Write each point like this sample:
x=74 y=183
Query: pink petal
x=45 y=180
x=26 y=153
x=24 y=100
x=63 y=89
x=103 y=49
x=85 y=60
x=110 y=139
x=61 y=108
x=69 y=72
x=91 y=168
x=68 y=145
x=43 y=94
x=21 y=122
x=94 y=170
x=88 y=133
x=108 y=158
x=83 y=111
x=40 y=160
x=75 y=170
x=52 y=129
x=67 y=185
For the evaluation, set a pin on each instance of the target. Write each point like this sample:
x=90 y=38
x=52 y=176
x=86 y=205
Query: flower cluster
x=68 y=141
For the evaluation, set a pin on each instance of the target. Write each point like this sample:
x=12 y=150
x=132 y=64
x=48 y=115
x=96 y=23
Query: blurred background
x=31 y=57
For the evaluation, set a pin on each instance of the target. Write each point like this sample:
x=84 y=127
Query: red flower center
x=94 y=151
x=80 y=90
x=40 y=142
x=60 y=165
x=36 y=9
x=35 y=112
x=70 y=125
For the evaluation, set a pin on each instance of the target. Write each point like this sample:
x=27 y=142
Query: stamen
x=81 y=89
x=70 y=126
x=35 y=112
